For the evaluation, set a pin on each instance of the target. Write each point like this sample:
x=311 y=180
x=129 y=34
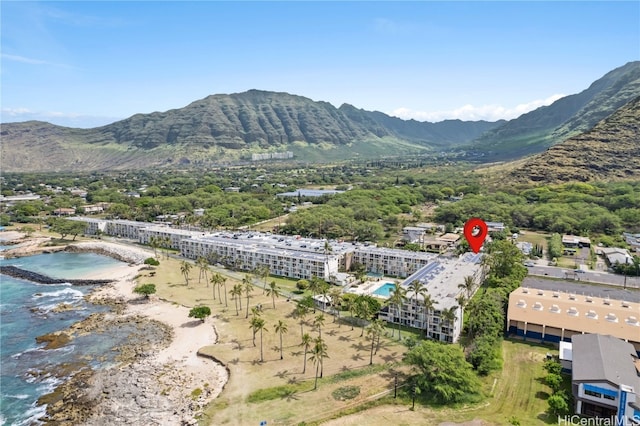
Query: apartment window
x=592 y=393
x=610 y=397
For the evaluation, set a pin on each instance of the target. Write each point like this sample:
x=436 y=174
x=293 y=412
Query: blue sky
x=91 y=63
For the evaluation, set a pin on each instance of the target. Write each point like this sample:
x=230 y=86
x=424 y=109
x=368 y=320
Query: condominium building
x=440 y=280
x=386 y=261
x=166 y=236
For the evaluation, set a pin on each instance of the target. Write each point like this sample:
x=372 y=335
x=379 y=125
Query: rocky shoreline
x=15 y=272
x=157 y=379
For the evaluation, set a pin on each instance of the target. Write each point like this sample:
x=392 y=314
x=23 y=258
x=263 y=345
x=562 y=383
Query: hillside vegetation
x=610 y=151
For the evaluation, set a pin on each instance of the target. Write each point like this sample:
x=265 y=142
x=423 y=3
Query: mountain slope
x=222 y=128
x=611 y=150
x=539 y=129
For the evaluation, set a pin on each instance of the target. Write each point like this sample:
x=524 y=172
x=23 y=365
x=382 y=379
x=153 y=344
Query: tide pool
x=26 y=313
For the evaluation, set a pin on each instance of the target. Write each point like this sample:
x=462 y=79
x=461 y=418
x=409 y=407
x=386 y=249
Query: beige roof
x=576 y=312
x=452 y=238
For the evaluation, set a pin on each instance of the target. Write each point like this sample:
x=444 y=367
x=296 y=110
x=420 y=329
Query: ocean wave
x=42 y=351
x=64 y=293
x=33 y=415
x=19 y=396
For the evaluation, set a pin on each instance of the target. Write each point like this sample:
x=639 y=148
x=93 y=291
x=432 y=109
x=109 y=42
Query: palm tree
x=315 y=284
x=154 y=242
x=185 y=268
x=449 y=317
x=318 y=353
x=280 y=327
x=324 y=292
x=248 y=289
x=260 y=326
x=416 y=288
x=336 y=298
x=272 y=291
x=428 y=304
x=351 y=307
x=236 y=293
x=306 y=341
x=373 y=331
x=222 y=280
x=318 y=321
x=398 y=295
x=300 y=312
x=264 y=272
x=203 y=265
x=468 y=286
x=253 y=323
x=363 y=310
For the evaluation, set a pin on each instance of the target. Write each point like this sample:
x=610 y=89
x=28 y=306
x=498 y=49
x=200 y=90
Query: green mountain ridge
x=543 y=127
x=228 y=128
x=609 y=151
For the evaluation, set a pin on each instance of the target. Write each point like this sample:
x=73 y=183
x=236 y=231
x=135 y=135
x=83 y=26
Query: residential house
x=605 y=379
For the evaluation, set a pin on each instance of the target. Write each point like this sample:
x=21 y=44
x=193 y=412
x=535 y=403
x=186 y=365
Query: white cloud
x=473 y=113
x=31 y=61
x=69 y=119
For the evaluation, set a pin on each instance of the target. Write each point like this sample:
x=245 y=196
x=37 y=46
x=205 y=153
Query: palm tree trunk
x=315 y=384
x=281 y=345
x=304 y=365
x=261 y=357
x=373 y=340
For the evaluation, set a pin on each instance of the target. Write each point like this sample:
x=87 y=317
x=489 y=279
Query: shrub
x=151 y=261
x=200 y=312
x=346 y=392
x=145 y=289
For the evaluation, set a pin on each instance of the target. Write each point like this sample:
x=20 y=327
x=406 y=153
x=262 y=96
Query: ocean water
x=25 y=313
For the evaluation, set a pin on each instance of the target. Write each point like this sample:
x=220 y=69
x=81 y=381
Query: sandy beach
x=169 y=384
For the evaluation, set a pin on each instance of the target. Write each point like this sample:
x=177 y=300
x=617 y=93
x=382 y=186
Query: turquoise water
x=384 y=290
x=25 y=313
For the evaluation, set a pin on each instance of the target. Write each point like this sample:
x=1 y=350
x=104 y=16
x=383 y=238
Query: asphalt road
x=588 y=276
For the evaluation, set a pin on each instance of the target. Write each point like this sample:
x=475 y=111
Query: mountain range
x=228 y=128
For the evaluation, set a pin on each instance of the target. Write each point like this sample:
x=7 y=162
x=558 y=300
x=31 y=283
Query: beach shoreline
x=168 y=383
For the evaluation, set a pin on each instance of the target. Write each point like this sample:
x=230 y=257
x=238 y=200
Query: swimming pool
x=384 y=290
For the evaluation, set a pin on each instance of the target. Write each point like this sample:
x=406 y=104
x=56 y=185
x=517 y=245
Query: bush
x=346 y=392
x=151 y=261
x=302 y=285
x=200 y=312
x=145 y=289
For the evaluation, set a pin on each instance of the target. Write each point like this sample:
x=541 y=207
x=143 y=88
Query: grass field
x=278 y=392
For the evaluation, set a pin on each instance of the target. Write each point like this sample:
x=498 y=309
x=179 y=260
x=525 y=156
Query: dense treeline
x=486 y=312
x=378 y=204
x=579 y=208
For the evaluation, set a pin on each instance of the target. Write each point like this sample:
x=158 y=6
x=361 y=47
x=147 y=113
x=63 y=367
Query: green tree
x=280 y=328
x=203 y=266
x=200 y=312
x=554 y=381
x=397 y=298
x=318 y=354
x=374 y=330
x=185 y=268
x=273 y=292
x=299 y=313
x=558 y=404
x=236 y=295
x=145 y=289
x=468 y=286
x=261 y=327
x=248 y=289
x=305 y=343
x=443 y=372
x=318 y=322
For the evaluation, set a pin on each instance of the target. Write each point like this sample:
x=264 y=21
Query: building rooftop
x=581 y=288
x=442 y=278
x=599 y=357
x=309 y=193
x=576 y=312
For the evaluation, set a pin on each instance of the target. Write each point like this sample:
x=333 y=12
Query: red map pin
x=475 y=231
